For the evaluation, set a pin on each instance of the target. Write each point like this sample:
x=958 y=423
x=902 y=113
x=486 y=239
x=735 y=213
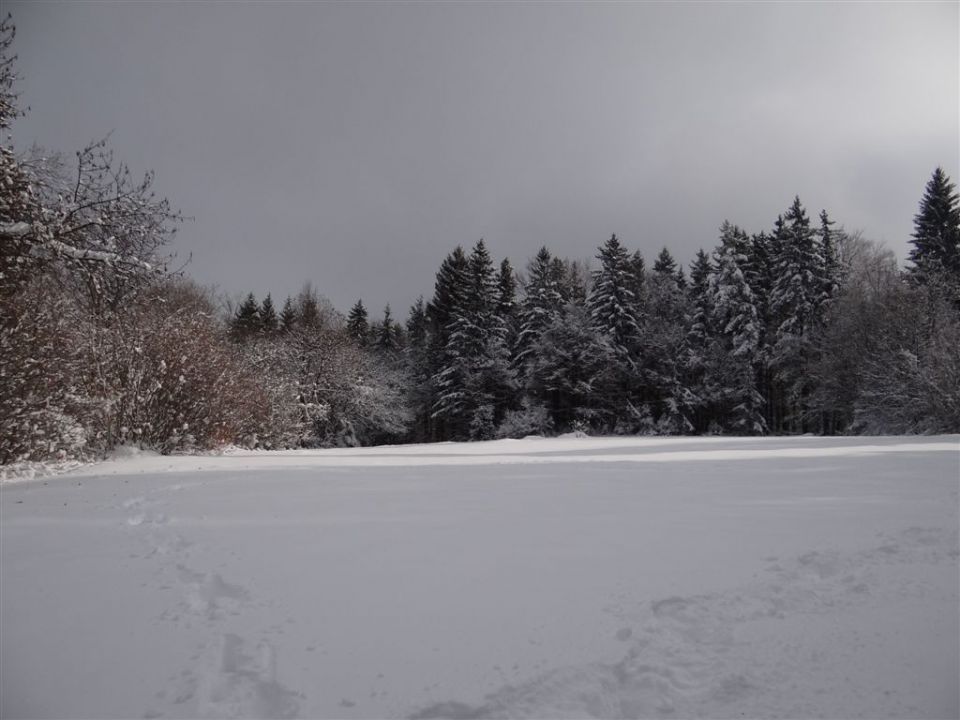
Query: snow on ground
x=576 y=577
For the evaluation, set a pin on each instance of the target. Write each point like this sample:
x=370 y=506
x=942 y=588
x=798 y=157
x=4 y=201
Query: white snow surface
x=572 y=577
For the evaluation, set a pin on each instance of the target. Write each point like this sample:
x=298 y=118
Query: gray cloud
x=354 y=145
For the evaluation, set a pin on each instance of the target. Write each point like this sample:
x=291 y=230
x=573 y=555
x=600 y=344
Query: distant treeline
x=800 y=328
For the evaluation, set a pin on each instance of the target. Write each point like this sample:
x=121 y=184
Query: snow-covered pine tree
x=268 y=316
x=448 y=292
x=570 y=374
x=830 y=253
x=615 y=307
x=663 y=348
x=542 y=302
x=614 y=301
x=507 y=307
x=474 y=379
x=936 y=233
x=796 y=310
x=449 y=289
x=665 y=264
x=732 y=369
x=358 y=326
x=699 y=334
x=418 y=393
x=506 y=291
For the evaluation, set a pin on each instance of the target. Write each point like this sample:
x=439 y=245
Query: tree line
x=802 y=327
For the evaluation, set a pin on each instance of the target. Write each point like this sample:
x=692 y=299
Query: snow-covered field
x=610 y=577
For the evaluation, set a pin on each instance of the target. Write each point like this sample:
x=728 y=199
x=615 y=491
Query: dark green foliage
x=268 y=316
x=246 y=321
x=288 y=317
x=388 y=333
x=665 y=264
x=936 y=234
x=357 y=326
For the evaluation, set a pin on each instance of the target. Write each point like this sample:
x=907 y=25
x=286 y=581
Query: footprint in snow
x=243 y=685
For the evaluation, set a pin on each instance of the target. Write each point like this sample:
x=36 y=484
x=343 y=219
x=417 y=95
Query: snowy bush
x=43 y=412
x=530 y=419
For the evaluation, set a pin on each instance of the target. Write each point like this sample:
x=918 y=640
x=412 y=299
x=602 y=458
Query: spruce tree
x=357 y=326
x=829 y=252
x=418 y=370
x=308 y=309
x=417 y=324
x=665 y=264
x=506 y=291
x=681 y=278
x=388 y=339
x=507 y=307
x=737 y=335
x=570 y=373
x=663 y=348
x=699 y=337
x=448 y=293
x=796 y=305
x=936 y=234
x=268 y=316
x=542 y=302
x=246 y=321
x=288 y=317
x=614 y=303
x=615 y=308
x=474 y=382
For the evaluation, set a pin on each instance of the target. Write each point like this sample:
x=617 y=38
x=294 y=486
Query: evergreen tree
x=506 y=291
x=507 y=307
x=448 y=293
x=737 y=335
x=357 y=326
x=615 y=307
x=665 y=264
x=829 y=252
x=388 y=337
x=699 y=334
x=936 y=234
x=664 y=341
x=449 y=289
x=268 y=316
x=419 y=370
x=796 y=305
x=638 y=272
x=542 y=302
x=417 y=324
x=681 y=278
x=614 y=302
x=308 y=309
x=246 y=321
x=570 y=374
x=288 y=317
x=700 y=271
x=474 y=384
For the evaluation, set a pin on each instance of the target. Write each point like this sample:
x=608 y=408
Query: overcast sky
x=355 y=145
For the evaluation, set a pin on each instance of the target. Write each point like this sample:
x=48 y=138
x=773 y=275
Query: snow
x=573 y=577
